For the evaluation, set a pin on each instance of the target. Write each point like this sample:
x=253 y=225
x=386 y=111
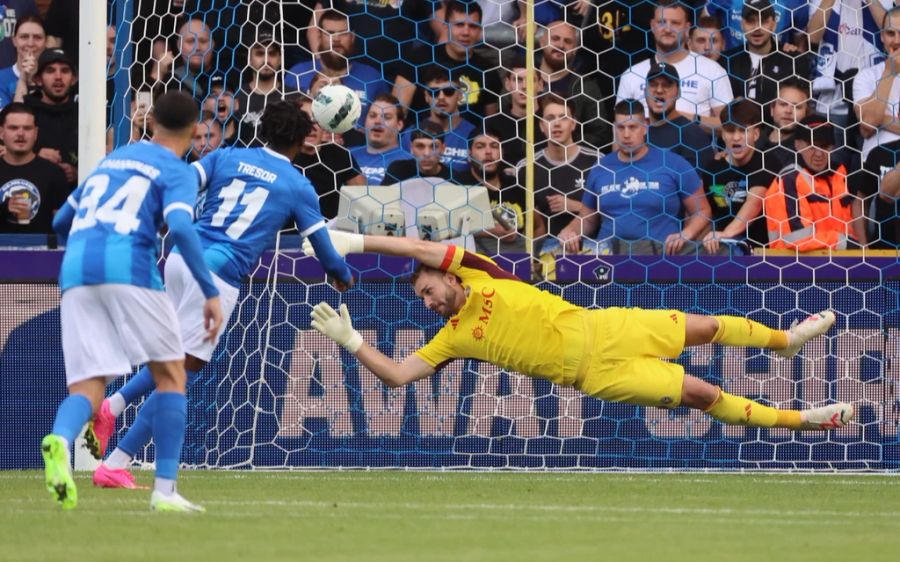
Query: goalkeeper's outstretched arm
x=427 y=252
x=339 y=328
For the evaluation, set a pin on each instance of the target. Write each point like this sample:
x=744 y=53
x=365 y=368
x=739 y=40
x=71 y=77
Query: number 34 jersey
x=119 y=210
x=249 y=194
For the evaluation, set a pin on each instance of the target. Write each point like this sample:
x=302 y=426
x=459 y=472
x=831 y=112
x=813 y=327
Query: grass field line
x=592 y=518
x=544 y=508
x=467 y=512
x=564 y=508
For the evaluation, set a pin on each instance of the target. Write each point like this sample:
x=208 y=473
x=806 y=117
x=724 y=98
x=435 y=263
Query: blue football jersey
x=9 y=77
x=250 y=194
x=373 y=165
x=118 y=212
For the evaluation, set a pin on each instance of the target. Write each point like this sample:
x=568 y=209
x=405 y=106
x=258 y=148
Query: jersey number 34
x=120 y=210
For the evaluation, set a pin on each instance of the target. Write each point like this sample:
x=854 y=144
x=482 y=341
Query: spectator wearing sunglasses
x=444 y=97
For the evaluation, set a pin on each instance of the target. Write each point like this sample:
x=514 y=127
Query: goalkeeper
x=616 y=354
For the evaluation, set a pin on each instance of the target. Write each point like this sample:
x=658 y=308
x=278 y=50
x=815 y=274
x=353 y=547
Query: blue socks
x=138 y=385
x=141 y=430
x=73 y=413
x=169 y=413
x=142 y=383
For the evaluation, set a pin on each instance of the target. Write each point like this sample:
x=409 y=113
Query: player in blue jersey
x=250 y=194
x=114 y=313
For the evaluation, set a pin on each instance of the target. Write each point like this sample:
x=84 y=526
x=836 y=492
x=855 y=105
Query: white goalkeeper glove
x=344 y=243
x=338 y=328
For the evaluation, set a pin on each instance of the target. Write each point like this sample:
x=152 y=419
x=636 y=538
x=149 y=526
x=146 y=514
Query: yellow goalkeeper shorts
x=625 y=356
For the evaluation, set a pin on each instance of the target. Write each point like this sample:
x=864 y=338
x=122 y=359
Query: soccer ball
x=336 y=108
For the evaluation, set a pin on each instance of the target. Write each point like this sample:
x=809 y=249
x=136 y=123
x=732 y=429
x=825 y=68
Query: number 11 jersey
x=248 y=195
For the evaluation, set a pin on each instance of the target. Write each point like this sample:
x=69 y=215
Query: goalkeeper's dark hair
x=283 y=125
x=422 y=268
x=175 y=111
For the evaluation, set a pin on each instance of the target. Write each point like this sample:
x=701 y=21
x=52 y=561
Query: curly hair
x=284 y=125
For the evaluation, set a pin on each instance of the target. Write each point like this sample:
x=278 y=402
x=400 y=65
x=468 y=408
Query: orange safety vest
x=806 y=212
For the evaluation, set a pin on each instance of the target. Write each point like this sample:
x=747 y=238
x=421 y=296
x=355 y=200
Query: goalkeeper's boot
x=105 y=477
x=58 y=472
x=99 y=430
x=832 y=416
x=799 y=334
x=174 y=503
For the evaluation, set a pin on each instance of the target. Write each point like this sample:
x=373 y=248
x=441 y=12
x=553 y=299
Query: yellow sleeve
x=439 y=350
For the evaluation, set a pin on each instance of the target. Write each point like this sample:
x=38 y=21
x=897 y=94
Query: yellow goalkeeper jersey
x=509 y=323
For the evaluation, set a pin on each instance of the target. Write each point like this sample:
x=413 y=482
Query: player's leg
x=648 y=381
x=113 y=472
x=740 y=331
x=621 y=374
x=103 y=424
x=72 y=414
x=737 y=410
x=188 y=300
x=92 y=349
x=168 y=413
x=148 y=330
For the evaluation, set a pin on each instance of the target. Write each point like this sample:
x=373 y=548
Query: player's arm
x=312 y=228
x=429 y=253
x=332 y=262
x=339 y=328
x=62 y=220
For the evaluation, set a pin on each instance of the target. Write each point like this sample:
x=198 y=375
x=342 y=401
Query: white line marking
x=751 y=517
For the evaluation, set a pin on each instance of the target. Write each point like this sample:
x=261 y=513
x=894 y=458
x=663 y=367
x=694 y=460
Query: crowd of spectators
x=659 y=126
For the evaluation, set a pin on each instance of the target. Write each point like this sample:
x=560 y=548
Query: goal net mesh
x=278 y=395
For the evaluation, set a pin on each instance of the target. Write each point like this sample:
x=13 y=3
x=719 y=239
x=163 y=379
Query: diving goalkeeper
x=615 y=354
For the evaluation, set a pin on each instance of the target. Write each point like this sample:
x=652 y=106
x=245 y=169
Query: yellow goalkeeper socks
x=737 y=410
x=737 y=331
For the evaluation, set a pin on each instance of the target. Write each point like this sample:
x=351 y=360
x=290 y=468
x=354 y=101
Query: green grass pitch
x=430 y=516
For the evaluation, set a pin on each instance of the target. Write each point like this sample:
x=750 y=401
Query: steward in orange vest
x=810 y=207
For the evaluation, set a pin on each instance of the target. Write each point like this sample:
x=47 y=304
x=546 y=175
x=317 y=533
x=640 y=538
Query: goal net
x=278 y=395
